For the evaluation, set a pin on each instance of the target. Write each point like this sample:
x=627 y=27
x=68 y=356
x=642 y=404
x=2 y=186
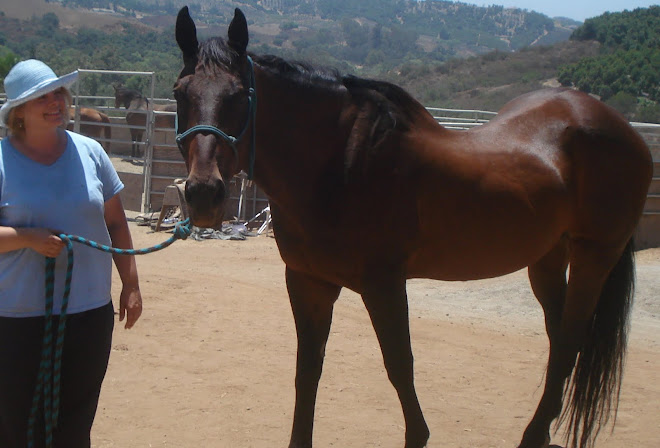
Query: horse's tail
x=594 y=388
x=107 y=130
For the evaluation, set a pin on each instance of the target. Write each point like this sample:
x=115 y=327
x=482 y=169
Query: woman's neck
x=42 y=147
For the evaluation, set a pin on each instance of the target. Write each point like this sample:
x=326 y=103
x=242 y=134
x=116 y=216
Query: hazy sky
x=574 y=9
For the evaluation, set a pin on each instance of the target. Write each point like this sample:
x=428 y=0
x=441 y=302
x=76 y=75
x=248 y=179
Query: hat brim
x=37 y=91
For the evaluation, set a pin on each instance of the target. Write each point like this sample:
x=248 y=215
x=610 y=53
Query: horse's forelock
x=215 y=51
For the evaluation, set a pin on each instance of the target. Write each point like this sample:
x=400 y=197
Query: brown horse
x=138 y=105
x=93 y=124
x=367 y=190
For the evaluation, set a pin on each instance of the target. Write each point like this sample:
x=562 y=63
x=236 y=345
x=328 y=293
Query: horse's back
x=552 y=163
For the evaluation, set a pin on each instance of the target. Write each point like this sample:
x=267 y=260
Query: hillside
x=487 y=82
x=359 y=32
x=368 y=38
x=446 y=54
x=70 y=18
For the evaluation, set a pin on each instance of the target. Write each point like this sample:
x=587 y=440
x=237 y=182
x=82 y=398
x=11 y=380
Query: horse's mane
x=301 y=73
x=406 y=106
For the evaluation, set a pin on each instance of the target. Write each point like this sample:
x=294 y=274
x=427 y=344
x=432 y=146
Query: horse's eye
x=179 y=90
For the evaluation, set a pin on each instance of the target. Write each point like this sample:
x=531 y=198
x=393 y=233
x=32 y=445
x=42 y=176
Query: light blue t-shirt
x=68 y=197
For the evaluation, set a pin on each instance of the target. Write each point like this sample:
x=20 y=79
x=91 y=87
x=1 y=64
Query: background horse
x=137 y=105
x=93 y=124
x=367 y=190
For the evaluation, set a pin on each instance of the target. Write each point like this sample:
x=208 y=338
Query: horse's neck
x=298 y=138
x=139 y=102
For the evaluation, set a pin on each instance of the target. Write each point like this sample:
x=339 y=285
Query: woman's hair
x=16 y=126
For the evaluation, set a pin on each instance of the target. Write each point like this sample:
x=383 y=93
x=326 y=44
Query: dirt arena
x=211 y=363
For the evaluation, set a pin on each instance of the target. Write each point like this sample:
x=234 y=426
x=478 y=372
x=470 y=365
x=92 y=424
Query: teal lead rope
x=50 y=367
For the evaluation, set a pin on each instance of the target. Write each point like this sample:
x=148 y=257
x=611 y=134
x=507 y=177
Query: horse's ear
x=186 y=35
x=238 y=32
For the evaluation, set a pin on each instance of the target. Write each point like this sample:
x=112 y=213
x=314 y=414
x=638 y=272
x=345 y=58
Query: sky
x=573 y=9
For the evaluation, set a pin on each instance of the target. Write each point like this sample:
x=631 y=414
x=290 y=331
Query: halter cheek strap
x=231 y=140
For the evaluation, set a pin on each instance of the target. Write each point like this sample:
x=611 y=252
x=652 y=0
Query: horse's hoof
x=545 y=444
x=418 y=442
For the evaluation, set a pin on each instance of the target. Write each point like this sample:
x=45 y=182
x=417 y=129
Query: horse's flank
x=93 y=123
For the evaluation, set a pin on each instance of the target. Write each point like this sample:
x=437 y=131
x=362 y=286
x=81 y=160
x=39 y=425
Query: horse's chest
x=327 y=258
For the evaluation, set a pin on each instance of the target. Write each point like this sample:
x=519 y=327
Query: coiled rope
x=50 y=368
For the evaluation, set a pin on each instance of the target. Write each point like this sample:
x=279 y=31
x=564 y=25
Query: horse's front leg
x=312 y=302
x=385 y=298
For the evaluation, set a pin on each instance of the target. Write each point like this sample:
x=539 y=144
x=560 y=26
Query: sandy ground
x=211 y=363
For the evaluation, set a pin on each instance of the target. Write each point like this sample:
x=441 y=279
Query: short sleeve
x=112 y=184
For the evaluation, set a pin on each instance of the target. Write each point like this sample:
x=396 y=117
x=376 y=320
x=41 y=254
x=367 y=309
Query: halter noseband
x=231 y=140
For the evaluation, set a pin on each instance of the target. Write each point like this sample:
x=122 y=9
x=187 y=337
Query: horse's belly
x=466 y=264
x=486 y=243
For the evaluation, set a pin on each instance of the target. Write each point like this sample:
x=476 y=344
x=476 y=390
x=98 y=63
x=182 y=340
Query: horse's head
x=124 y=96
x=216 y=102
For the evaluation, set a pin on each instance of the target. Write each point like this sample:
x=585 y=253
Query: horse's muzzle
x=206 y=202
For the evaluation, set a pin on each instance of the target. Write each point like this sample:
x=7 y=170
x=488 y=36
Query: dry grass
x=69 y=17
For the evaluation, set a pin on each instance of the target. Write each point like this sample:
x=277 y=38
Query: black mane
x=400 y=102
x=301 y=73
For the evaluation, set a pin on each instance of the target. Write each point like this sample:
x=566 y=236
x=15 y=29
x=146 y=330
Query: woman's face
x=47 y=111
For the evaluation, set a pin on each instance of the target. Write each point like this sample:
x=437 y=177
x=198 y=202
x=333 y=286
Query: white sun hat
x=28 y=80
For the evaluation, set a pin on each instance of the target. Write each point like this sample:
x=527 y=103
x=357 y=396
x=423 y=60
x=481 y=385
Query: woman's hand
x=130 y=306
x=45 y=242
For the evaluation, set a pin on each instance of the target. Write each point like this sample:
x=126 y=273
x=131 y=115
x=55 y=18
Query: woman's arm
x=130 y=301
x=40 y=240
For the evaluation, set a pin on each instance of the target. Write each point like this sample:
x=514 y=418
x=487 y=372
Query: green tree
x=356 y=35
x=630 y=58
x=648 y=112
x=624 y=103
x=49 y=24
x=7 y=60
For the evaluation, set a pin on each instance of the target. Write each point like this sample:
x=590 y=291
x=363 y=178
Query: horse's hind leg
x=386 y=301
x=579 y=331
x=548 y=280
x=312 y=302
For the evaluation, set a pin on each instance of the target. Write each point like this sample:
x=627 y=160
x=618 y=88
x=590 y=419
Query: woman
x=54 y=181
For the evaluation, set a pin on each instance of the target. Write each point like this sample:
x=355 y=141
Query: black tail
x=594 y=388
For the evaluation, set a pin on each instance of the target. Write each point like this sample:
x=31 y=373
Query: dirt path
x=211 y=362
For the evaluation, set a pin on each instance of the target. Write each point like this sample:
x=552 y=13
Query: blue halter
x=231 y=140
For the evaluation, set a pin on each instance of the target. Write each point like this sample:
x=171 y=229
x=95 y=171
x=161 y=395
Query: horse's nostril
x=220 y=192
x=188 y=193
x=205 y=194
